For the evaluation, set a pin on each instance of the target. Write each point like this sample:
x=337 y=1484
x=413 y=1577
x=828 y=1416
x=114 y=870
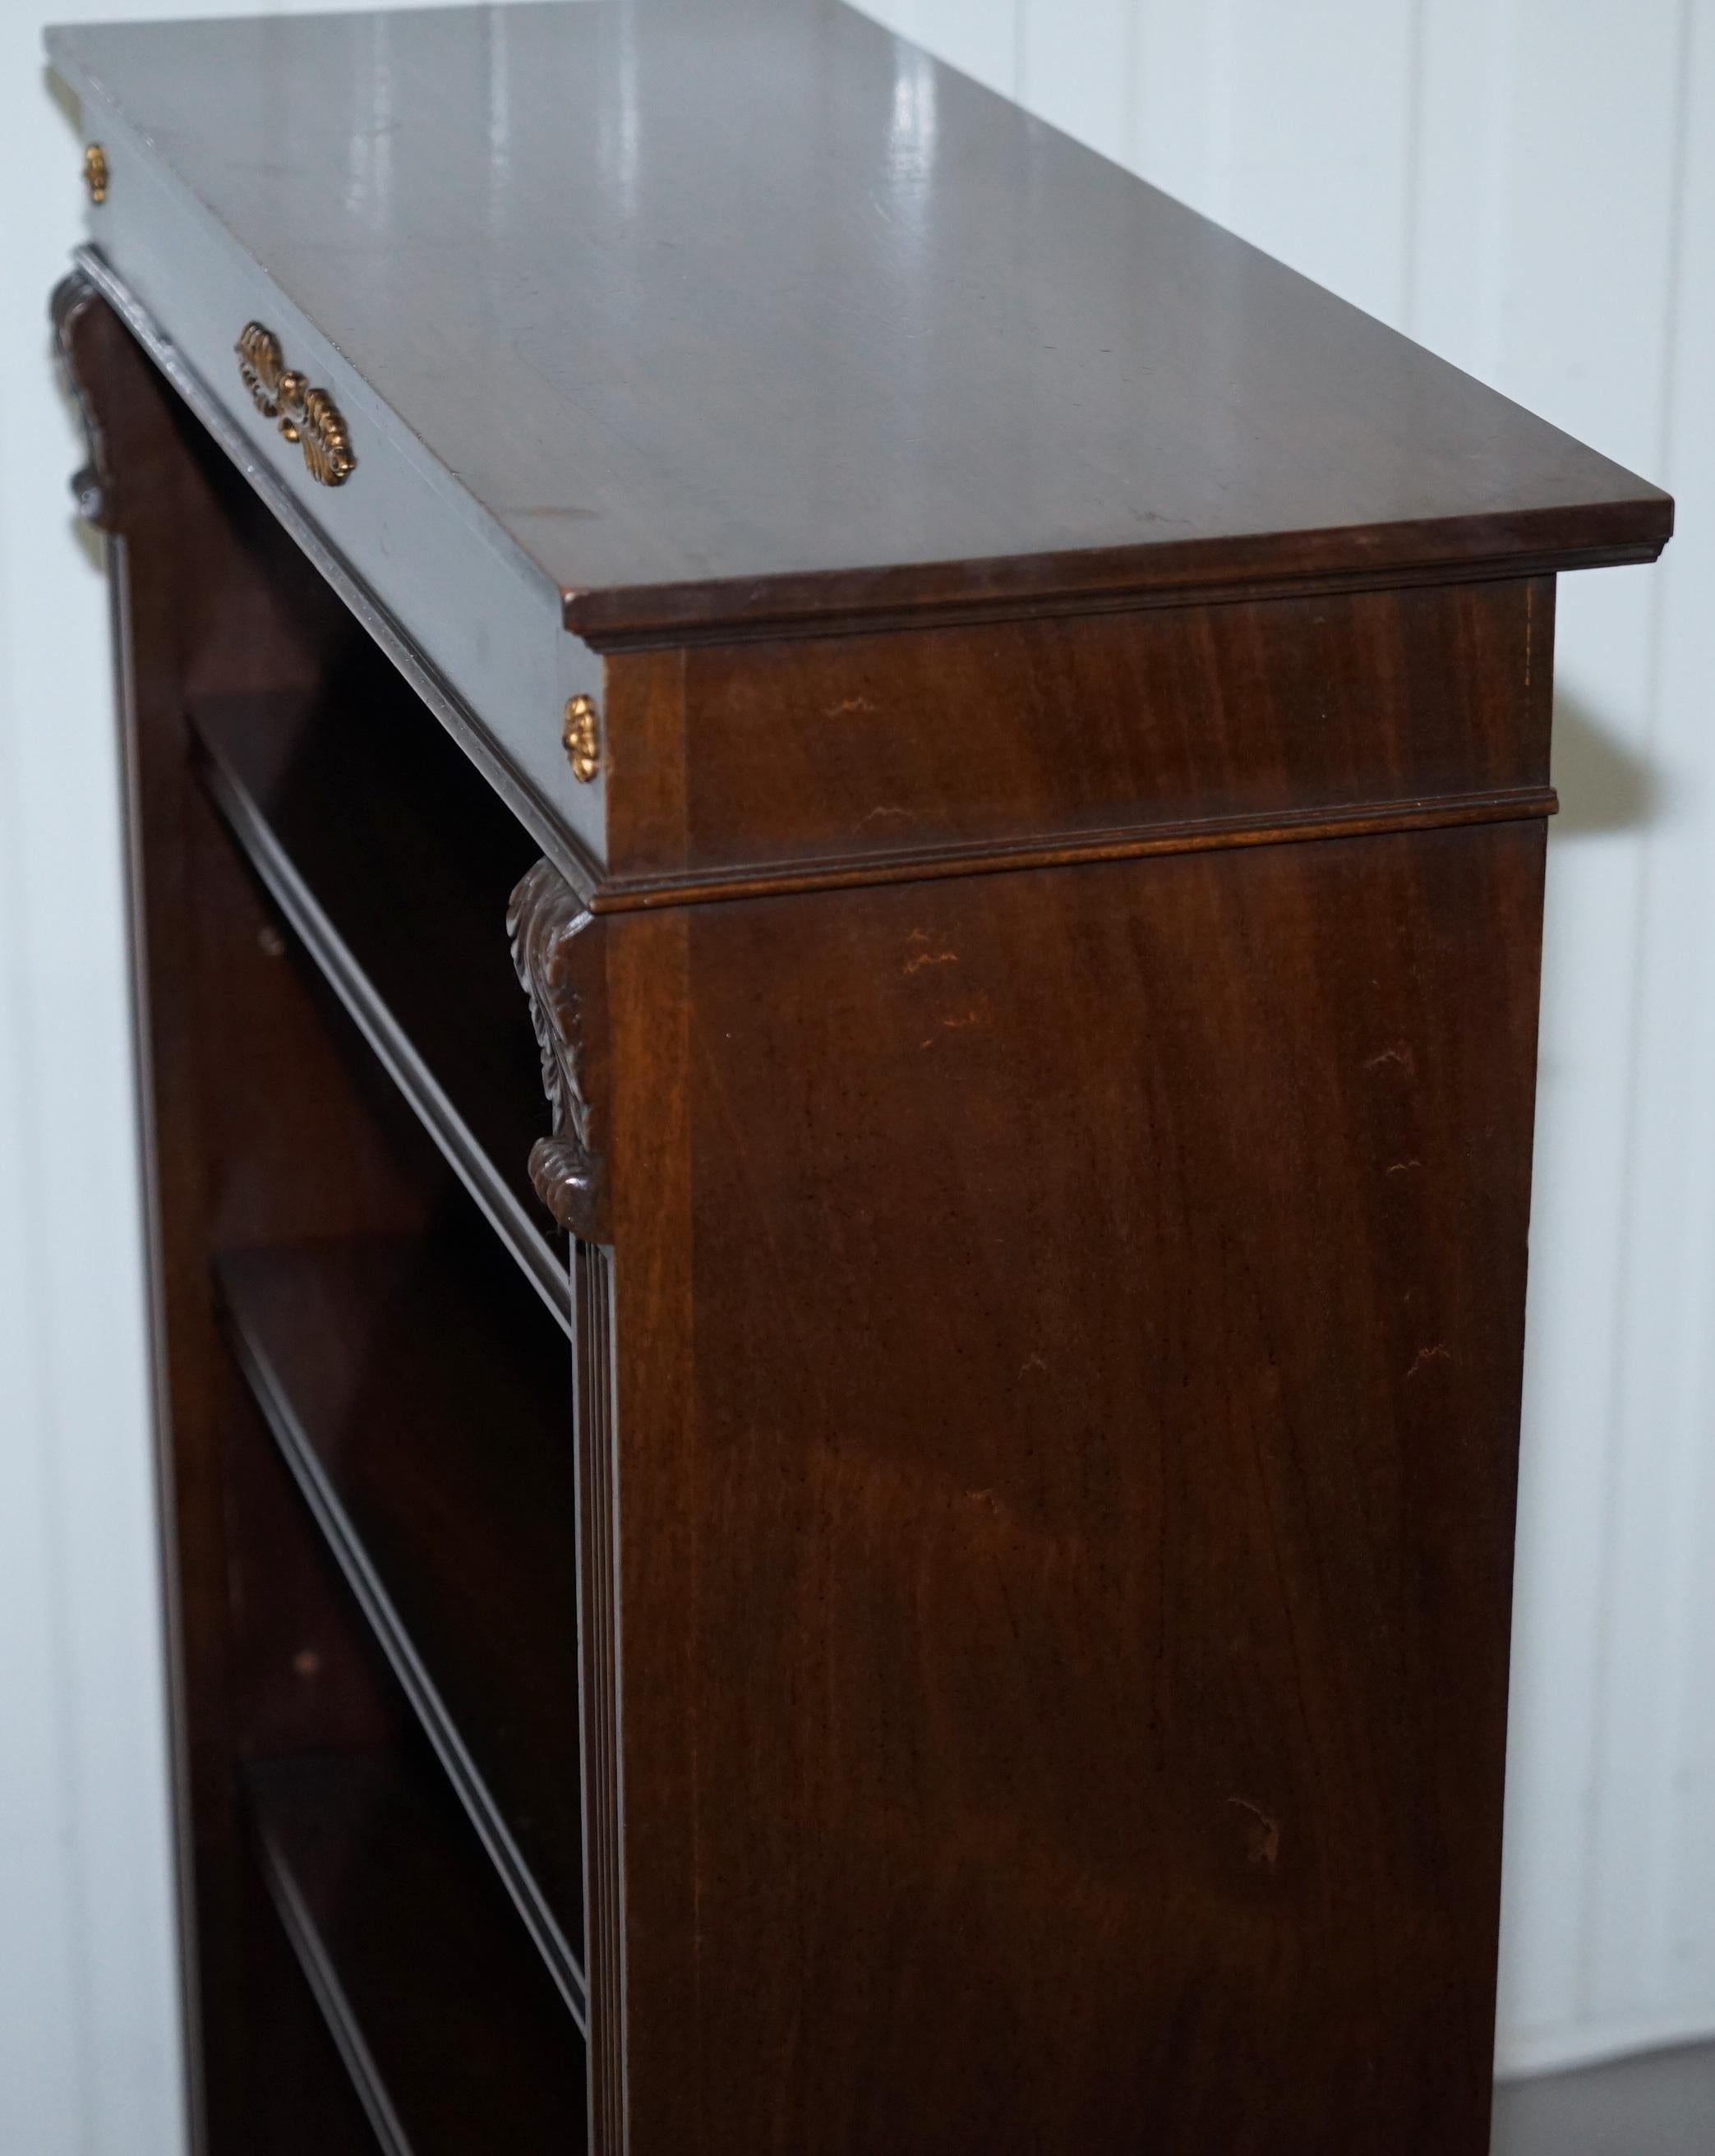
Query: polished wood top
x=738 y=312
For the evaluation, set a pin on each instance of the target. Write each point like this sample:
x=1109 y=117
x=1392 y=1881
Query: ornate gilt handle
x=305 y=415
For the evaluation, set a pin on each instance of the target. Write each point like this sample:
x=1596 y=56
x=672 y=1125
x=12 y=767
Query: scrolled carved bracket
x=74 y=310
x=557 y=949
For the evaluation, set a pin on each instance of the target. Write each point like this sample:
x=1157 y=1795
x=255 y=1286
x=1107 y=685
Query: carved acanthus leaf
x=554 y=952
x=74 y=308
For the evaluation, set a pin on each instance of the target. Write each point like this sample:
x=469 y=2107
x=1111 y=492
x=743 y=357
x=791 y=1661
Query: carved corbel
x=557 y=949
x=78 y=314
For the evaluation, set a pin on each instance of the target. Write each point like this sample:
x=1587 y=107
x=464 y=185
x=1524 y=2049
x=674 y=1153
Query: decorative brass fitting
x=307 y=416
x=95 y=171
x=583 y=743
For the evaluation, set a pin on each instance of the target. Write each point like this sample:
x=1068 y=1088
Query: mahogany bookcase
x=837 y=834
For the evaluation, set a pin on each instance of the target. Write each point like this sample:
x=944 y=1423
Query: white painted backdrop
x=1529 y=186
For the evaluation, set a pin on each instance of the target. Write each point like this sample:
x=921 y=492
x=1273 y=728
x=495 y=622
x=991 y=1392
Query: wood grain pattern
x=824 y=760
x=1233 y=1144
x=1066 y=1554
x=808 y=328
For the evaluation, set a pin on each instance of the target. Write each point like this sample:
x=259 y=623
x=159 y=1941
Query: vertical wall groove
x=1415 y=90
x=1618 y=1852
x=1687 y=664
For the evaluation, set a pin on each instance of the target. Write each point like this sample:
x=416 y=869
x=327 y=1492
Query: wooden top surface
x=740 y=312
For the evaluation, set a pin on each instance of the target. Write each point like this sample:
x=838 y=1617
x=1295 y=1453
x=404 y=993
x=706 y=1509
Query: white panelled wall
x=1529 y=186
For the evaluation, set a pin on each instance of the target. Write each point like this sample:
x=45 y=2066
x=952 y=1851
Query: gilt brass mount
x=95 y=171
x=307 y=416
x=582 y=744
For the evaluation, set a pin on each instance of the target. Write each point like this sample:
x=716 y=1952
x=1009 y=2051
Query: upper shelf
x=725 y=313
x=395 y=864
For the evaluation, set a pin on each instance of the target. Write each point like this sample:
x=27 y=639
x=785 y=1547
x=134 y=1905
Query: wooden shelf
x=302 y=2096
x=372 y=1877
x=409 y=927
x=421 y=1407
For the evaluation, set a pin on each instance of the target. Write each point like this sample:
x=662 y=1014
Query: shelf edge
x=389 y=1631
x=505 y=1213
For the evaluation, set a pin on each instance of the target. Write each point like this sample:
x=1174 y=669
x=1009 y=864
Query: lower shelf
x=421 y=1404
x=449 y=2027
x=300 y=2095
